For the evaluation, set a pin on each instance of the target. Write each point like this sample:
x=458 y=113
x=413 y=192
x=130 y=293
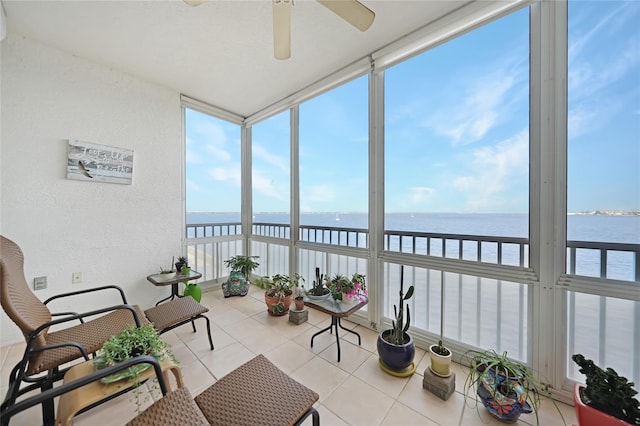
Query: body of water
x=610 y=229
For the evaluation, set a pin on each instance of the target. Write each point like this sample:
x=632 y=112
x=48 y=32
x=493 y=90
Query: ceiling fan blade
x=352 y=11
x=194 y=2
x=282 y=29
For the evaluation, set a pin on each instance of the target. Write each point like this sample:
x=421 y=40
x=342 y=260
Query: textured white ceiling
x=220 y=52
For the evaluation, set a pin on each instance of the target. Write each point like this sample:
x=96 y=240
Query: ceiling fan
x=352 y=11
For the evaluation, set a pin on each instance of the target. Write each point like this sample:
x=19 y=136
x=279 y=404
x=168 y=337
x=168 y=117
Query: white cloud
x=420 y=194
x=493 y=170
x=259 y=152
x=266 y=185
x=320 y=193
x=193 y=186
x=211 y=145
x=226 y=174
x=484 y=105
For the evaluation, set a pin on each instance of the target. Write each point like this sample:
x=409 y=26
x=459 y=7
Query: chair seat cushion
x=174 y=312
x=91 y=335
x=256 y=393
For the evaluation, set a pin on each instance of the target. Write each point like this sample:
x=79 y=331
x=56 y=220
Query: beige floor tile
x=327 y=418
x=401 y=415
x=358 y=403
x=320 y=342
x=245 y=328
x=289 y=356
x=320 y=376
x=351 y=356
x=183 y=354
x=371 y=373
x=319 y=318
x=221 y=362
x=548 y=414
x=264 y=341
x=369 y=338
x=429 y=405
x=196 y=377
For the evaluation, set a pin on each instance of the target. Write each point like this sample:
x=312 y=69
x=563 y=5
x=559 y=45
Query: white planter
x=440 y=365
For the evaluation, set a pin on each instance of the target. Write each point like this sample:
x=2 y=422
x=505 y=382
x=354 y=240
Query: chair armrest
x=37 y=331
x=88 y=290
x=29 y=402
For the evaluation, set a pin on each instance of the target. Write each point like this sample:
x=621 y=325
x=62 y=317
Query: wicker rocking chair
x=47 y=351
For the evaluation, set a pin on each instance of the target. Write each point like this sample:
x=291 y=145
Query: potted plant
x=439 y=355
x=607 y=399
x=318 y=290
x=395 y=346
x=298 y=300
x=182 y=262
x=347 y=290
x=440 y=360
x=506 y=388
x=278 y=292
x=132 y=341
x=239 y=278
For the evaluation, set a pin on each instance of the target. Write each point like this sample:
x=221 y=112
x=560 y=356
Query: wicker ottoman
x=177 y=312
x=258 y=393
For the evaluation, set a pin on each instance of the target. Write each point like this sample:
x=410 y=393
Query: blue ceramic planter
x=396 y=357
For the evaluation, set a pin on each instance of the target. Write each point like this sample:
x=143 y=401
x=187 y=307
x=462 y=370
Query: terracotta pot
x=278 y=306
x=299 y=302
x=589 y=416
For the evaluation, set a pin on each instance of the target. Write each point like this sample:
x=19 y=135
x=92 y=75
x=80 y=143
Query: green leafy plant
x=400 y=326
x=608 y=392
x=243 y=264
x=502 y=375
x=133 y=341
x=279 y=285
x=340 y=286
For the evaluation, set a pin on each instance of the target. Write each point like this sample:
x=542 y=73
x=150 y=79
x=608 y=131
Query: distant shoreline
x=582 y=213
x=608 y=213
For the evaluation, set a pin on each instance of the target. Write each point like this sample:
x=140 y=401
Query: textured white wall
x=113 y=234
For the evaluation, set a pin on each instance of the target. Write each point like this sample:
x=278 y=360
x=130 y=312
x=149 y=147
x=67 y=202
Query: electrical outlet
x=39 y=283
x=76 y=277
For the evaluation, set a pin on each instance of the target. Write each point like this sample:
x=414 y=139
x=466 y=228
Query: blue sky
x=456 y=129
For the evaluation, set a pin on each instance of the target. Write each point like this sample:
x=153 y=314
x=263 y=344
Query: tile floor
x=354 y=391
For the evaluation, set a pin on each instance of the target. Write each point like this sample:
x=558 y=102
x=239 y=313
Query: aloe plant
x=399 y=327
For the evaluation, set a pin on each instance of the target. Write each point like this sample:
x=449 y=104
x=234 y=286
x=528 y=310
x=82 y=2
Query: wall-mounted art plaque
x=91 y=162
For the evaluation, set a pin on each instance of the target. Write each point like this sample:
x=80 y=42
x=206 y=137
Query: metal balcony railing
x=212 y=243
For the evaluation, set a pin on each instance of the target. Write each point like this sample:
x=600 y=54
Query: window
x=271 y=175
x=457 y=146
x=334 y=156
x=603 y=184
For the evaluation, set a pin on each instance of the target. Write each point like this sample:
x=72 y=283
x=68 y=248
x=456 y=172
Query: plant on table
x=607 y=392
x=133 y=341
x=317 y=287
x=279 y=291
x=352 y=290
x=507 y=388
x=182 y=262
